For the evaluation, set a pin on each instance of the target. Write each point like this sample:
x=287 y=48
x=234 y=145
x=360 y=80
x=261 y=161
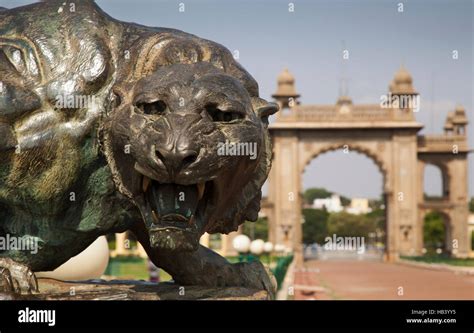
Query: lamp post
x=241 y=244
x=268 y=248
x=372 y=237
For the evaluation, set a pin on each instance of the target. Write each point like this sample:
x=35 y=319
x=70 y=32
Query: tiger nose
x=176 y=160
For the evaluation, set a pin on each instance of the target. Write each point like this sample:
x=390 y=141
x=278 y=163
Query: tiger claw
x=16 y=278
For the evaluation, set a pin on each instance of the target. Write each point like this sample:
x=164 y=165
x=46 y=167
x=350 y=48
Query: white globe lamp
x=279 y=248
x=256 y=247
x=89 y=264
x=241 y=243
x=268 y=247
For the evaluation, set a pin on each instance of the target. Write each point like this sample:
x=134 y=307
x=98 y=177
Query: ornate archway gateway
x=388 y=134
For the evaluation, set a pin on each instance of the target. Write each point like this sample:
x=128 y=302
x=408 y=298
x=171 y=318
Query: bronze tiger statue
x=107 y=126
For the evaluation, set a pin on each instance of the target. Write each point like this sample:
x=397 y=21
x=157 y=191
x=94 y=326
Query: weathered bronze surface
x=118 y=290
x=108 y=126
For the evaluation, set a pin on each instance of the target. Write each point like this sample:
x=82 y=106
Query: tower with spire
x=402 y=91
x=286 y=95
x=459 y=120
x=448 y=124
x=402 y=83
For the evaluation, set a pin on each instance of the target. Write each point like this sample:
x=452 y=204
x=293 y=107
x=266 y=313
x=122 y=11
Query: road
x=365 y=280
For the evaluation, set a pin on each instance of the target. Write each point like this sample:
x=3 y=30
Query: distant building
x=332 y=204
x=359 y=206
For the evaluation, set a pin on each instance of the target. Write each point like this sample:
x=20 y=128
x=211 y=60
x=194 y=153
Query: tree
x=345 y=201
x=471 y=205
x=315 y=225
x=472 y=240
x=377 y=203
x=378 y=215
x=257 y=229
x=315 y=193
x=348 y=225
x=433 y=231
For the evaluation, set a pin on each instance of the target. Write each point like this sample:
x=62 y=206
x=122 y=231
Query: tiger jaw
x=174 y=213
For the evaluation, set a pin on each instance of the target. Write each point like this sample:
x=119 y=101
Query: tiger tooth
x=155 y=216
x=201 y=187
x=146 y=183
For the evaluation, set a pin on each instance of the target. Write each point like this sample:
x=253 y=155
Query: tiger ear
x=265 y=109
x=268 y=109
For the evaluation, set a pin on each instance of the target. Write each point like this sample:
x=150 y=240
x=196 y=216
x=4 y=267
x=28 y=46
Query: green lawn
x=131 y=268
x=265 y=259
x=442 y=259
x=134 y=268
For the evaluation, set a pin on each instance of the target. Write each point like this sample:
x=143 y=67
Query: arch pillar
x=470 y=234
x=286 y=194
x=404 y=228
x=459 y=215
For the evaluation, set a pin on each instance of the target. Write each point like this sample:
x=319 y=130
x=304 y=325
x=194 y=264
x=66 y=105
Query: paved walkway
x=337 y=279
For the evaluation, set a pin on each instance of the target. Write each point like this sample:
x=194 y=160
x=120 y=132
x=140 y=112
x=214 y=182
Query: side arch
x=445 y=177
x=447 y=222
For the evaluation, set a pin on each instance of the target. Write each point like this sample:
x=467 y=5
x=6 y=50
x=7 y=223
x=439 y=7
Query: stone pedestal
x=51 y=289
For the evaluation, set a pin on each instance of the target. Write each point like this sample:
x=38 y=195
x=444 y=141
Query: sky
x=309 y=41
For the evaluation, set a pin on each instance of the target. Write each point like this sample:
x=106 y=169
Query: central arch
x=368 y=155
x=353 y=147
x=315 y=149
